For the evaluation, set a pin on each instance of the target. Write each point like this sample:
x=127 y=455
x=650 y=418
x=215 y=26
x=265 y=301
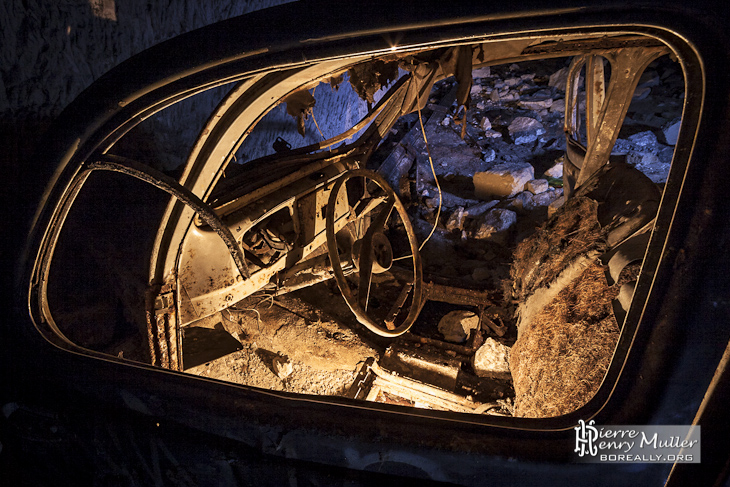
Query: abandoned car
x=494 y=241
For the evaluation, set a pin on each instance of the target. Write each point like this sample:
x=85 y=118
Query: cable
x=438 y=186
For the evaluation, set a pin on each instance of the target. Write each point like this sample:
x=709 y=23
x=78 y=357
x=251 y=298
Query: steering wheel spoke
x=372 y=254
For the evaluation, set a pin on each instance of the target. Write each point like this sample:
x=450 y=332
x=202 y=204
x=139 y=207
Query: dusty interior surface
x=502 y=232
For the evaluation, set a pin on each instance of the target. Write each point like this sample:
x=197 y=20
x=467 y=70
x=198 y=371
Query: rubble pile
x=504 y=179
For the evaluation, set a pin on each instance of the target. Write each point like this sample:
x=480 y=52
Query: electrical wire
x=438 y=186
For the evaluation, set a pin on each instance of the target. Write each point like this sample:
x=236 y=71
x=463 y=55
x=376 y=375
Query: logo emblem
x=585 y=438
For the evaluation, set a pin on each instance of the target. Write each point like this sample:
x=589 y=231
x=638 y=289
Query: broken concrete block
x=492 y=360
x=524 y=130
x=495 y=226
x=559 y=79
x=456 y=325
x=556 y=171
x=537 y=186
x=503 y=180
x=671 y=131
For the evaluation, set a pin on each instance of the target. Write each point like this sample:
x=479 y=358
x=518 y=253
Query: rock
x=643 y=139
x=503 y=180
x=556 y=171
x=481 y=274
x=536 y=104
x=448 y=200
x=494 y=96
x=484 y=72
x=485 y=124
x=282 y=367
x=641 y=93
x=456 y=325
x=649 y=78
x=559 y=78
x=642 y=159
x=446 y=121
x=537 y=101
x=495 y=226
x=555 y=205
x=558 y=106
x=524 y=130
x=492 y=360
x=621 y=147
x=546 y=198
x=476 y=89
x=492 y=134
x=537 y=186
x=509 y=96
x=522 y=201
x=489 y=155
x=671 y=131
x=512 y=82
x=456 y=220
x=480 y=209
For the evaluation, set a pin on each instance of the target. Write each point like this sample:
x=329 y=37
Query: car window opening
x=513 y=307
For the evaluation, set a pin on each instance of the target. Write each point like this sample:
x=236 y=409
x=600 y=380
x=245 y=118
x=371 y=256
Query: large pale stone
x=492 y=360
x=456 y=325
x=503 y=180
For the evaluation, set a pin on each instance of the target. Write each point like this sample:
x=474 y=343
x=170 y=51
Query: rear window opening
x=527 y=266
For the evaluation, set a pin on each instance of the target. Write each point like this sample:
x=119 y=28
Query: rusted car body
x=668 y=367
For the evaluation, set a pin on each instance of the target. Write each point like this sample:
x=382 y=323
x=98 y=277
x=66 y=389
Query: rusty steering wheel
x=367 y=201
